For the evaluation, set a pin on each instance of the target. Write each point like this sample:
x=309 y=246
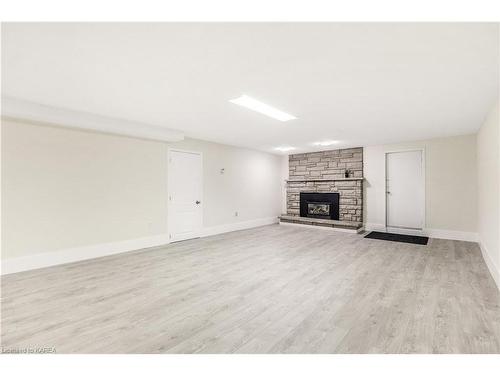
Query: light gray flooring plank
x=273 y=289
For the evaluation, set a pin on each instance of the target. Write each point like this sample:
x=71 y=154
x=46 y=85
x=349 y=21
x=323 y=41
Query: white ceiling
x=354 y=82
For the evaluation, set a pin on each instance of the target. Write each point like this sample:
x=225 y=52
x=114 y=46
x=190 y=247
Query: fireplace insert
x=319 y=205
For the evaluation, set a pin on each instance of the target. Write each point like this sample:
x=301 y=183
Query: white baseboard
x=219 y=229
x=53 y=258
x=494 y=270
x=430 y=232
x=451 y=235
x=374 y=227
x=76 y=254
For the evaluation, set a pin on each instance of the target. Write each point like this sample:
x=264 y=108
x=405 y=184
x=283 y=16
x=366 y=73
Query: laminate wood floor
x=273 y=289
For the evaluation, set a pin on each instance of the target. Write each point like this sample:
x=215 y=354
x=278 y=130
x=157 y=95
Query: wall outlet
x=236 y=213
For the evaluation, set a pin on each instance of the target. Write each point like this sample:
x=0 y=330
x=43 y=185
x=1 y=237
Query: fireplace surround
x=324 y=172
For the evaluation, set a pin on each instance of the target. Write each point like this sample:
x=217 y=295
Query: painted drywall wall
x=66 y=189
x=488 y=176
x=450 y=186
x=249 y=186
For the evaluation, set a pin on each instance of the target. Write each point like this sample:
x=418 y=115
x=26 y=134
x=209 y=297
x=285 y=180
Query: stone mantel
x=323 y=179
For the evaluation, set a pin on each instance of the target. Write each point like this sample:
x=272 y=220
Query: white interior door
x=405 y=190
x=185 y=209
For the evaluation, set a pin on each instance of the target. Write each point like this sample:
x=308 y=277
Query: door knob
x=198 y=202
x=388 y=192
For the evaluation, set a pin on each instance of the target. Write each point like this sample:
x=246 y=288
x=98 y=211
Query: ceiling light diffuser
x=285 y=148
x=325 y=143
x=257 y=106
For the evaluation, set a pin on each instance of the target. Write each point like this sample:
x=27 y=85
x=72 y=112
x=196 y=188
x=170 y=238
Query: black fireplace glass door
x=319 y=205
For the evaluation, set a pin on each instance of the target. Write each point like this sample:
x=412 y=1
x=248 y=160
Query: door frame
x=405 y=230
x=169 y=188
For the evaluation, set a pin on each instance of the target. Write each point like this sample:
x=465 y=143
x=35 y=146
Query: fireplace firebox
x=319 y=205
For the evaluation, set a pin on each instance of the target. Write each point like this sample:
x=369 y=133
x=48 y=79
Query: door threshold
x=402 y=230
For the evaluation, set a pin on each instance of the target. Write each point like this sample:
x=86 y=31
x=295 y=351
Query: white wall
x=450 y=189
x=250 y=185
x=64 y=188
x=488 y=175
x=69 y=189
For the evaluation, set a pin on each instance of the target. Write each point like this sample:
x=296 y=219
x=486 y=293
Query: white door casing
x=185 y=190
x=405 y=190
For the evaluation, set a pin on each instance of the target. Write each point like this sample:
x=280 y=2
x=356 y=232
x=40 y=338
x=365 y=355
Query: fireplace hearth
x=319 y=205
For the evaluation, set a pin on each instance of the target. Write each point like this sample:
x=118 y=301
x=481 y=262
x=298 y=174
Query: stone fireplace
x=313 y=174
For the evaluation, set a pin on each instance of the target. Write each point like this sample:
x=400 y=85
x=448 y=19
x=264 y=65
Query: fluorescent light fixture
x=255 y=105
x=325 y=143
x=285 y=148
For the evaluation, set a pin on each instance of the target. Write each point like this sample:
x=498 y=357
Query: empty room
x=250 y=188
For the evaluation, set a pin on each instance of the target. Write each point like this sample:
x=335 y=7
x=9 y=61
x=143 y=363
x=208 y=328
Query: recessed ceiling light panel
x=257 y=106
x=325 y=143
x=285 y=148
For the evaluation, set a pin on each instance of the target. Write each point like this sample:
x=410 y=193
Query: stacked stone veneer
x=324 y=172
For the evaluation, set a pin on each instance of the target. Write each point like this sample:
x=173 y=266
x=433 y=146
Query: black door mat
x=418 y=240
